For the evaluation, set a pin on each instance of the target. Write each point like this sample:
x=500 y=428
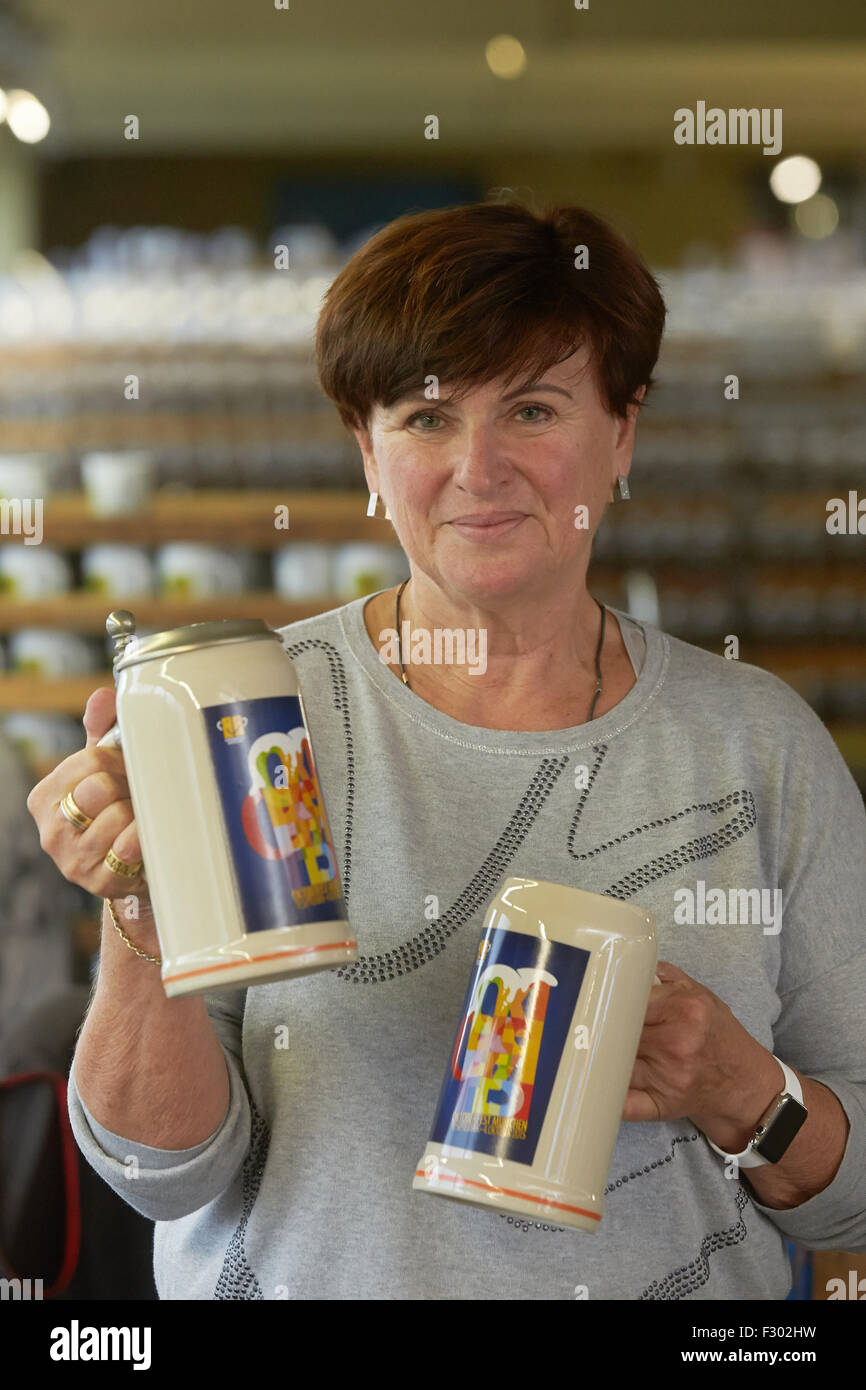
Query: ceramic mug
x=543 y=1054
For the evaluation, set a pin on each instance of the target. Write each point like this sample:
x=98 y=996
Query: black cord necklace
x=598 y=686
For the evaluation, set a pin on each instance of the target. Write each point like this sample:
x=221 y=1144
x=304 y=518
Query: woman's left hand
x=696 y=1061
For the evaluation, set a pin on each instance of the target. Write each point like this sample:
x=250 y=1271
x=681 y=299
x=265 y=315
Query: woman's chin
x=486 y=578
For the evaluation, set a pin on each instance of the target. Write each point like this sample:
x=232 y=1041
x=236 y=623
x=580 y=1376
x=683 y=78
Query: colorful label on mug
x=274 y=813
x=515 y=1024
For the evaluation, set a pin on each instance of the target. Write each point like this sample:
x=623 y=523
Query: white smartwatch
x=776 y=1128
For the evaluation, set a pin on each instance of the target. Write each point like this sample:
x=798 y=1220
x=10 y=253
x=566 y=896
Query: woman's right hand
x=97 y=779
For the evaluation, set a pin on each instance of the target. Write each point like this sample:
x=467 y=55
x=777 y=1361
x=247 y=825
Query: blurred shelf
x=708 y=569
x=216 y=517
x=72 y=354
x=128 y=428
x=87 y=612
x=841 y=658
x=21 y=691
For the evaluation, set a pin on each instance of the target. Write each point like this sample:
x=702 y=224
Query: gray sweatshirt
x=709 y=774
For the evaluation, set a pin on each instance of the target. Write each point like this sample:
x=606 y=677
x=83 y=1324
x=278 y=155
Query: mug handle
x=112 y=740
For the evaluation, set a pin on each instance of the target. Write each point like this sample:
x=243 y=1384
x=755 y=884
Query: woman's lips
x=488 y=530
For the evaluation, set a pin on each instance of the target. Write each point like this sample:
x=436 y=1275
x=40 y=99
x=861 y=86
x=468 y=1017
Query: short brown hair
x=483 y=290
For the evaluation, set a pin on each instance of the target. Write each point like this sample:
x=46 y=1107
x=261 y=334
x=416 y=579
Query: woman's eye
x=422 y=415
x=543 y=413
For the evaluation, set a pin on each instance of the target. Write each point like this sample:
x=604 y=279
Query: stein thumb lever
x=120 y=626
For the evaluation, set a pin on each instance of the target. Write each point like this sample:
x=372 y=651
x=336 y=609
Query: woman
x=491 y=363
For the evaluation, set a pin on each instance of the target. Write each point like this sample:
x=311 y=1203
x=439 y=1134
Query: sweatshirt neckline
x=417 y=711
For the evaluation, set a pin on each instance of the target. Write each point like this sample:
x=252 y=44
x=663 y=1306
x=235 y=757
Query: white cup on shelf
x=117 y=484
x=303 y=570
x=26 y=475
x=366 y=567
x=118 y=570
x=51 y=652
x=34 y=572
x=40 y=736
x=196 y=570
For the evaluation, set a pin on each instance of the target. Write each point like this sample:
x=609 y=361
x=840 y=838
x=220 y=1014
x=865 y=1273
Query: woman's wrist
x=132 y=908
x=733 y=1124
x=132 y=926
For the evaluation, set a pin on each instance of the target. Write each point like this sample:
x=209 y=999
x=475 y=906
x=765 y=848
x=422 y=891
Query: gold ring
x=117 y=866
x=74 y=813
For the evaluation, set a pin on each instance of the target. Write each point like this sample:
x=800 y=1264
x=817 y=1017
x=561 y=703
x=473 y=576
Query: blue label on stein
x=274 y=813
x=514 y=1026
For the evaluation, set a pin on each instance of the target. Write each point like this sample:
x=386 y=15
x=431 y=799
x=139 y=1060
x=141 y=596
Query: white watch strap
x=748 y=1158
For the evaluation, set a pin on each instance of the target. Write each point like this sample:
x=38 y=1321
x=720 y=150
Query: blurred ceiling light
x=27 y=117
x=506 y=56
x=796 y=179
x=818 y=217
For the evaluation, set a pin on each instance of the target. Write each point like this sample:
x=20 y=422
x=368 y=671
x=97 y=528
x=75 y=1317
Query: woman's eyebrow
x=536 y=386
x=446 y=400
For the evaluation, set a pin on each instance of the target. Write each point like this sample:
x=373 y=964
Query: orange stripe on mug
x=252 y=960
x=509 y=1192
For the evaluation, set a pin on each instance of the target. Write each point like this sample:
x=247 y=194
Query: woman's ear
x=634 y=406
x=365 y=444
x=627 y=424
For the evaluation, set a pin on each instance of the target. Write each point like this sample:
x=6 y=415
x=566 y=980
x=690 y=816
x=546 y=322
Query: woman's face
x=483 y=492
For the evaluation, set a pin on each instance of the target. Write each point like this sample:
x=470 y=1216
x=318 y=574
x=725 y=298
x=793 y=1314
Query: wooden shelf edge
x=86 y=612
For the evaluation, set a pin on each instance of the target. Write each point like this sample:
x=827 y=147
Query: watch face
x=781 y=1130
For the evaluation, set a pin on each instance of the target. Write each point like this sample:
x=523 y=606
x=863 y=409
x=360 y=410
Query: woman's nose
x=479 y=456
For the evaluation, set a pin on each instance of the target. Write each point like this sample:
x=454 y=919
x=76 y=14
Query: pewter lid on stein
x=130 y=649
